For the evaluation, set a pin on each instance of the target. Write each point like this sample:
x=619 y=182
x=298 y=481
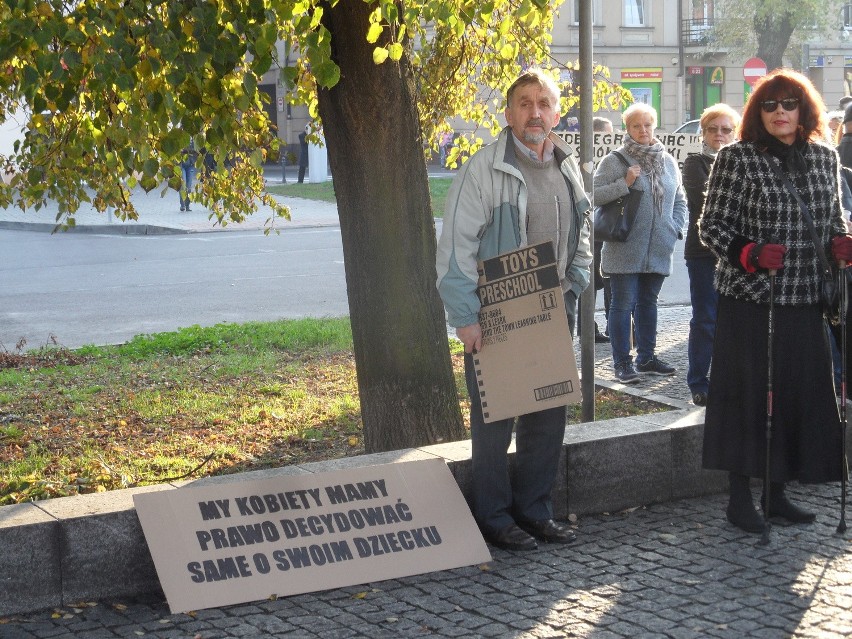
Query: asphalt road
x=104 y=289
x=82 y=288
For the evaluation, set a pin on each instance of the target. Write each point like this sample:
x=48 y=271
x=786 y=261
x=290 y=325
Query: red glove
x=765 y=256
x=841 y=248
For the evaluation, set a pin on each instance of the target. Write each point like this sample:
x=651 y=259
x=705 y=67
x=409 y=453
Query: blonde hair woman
x=637 y=267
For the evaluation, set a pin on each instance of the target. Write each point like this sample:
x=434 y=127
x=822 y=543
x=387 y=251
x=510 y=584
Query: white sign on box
x=230 y=543
x=527 y=361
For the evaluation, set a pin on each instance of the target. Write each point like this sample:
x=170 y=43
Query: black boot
x=741 y=511
x=780 y=506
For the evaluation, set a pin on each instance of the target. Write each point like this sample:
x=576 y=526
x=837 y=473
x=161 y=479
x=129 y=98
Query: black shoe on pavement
x=785 y=509
x=626 y=374
x=699 y=399
x=655 y=366
x=600 y=338
x=549 y=531
x=745 y=518
x=511 y=538
x=181 y=208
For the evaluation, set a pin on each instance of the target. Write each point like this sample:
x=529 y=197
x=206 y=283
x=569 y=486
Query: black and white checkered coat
x=747 y=202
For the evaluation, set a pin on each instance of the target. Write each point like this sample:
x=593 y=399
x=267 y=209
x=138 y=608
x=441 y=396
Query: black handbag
x=613 y=221
x=829 y=291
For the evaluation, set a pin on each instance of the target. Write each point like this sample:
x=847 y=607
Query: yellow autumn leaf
x=507 y=52
x=395 y=51
x=380 y=54
x=374 y=32
x=353 y=440
x=359 y=595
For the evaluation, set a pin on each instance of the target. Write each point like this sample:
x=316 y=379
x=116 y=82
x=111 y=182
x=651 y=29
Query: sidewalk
x=163 y=215
x=675 y=569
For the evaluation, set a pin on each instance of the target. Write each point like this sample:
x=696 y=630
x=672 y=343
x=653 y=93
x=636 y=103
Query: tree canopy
x=114 y=91
x=776 y=29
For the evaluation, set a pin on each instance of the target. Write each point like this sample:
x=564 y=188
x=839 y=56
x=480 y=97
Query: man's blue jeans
x=634 y=296
x=702 y=326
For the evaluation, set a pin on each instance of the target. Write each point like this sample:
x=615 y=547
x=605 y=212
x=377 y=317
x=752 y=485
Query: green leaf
x=150 y=168
x=327 y=74
x=380 y=54
x=395 y=51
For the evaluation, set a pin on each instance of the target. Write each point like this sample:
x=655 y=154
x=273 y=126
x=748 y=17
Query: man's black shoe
x=511 y=538
x=699 y=399
x=549 y=531
x=600 y=338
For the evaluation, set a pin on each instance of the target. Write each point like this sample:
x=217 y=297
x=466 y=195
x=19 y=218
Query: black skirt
x=806 y=434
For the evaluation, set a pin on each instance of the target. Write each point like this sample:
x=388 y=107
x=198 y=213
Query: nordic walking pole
x=841 y=526
x=764 y=539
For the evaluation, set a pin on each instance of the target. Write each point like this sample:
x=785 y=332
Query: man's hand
x=471 y=337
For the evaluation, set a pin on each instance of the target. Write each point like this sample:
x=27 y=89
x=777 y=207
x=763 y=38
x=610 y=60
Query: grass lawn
x=191 y=403
x=324 y=191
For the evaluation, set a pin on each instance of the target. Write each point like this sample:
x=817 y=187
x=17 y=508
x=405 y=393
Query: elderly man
x=521 y=190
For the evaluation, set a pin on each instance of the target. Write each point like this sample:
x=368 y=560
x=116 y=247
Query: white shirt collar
x=547 y=153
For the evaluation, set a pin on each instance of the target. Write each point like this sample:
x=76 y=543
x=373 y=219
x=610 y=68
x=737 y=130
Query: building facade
x=658 y=49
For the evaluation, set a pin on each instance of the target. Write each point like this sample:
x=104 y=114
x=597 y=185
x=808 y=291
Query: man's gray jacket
x=486 y=215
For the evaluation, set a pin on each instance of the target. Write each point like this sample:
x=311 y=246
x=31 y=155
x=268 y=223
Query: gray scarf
x=650 y=159
x=709 y=151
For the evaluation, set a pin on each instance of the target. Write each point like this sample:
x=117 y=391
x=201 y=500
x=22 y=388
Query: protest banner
x=230 y=543
x=678 y=144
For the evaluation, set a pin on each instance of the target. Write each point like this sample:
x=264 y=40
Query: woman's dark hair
x=784 y=83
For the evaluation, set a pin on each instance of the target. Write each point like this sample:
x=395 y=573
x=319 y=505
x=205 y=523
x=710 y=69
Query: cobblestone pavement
x=674 y=570
x=672 y=334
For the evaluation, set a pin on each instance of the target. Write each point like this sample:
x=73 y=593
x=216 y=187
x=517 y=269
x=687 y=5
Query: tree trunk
x=773 y=36
x=371 y=126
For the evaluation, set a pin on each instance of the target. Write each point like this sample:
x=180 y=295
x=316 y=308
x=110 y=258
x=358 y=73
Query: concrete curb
x=72 y=549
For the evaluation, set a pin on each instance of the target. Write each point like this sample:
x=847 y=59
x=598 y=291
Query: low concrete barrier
x=74 y=549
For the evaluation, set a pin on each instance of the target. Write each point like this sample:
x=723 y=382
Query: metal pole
x=841 y=526
x=586 y=78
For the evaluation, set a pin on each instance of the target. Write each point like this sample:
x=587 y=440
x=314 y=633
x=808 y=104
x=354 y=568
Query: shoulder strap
x=806 y=214
x=622 y=158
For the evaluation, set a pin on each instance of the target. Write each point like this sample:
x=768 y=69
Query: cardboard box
x=527 y=360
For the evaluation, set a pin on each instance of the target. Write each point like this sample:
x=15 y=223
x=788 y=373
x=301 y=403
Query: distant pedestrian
x=187 y=171
x=718 y=124
x=753 y=224
x=303 y=154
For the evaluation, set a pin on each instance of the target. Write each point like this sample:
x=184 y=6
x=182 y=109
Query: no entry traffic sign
x=753 y=69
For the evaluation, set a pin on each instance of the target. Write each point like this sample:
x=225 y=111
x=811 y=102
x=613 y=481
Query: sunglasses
x=726 y=130
x=788 y=104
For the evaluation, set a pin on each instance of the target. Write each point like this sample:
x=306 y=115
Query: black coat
x=696 y=171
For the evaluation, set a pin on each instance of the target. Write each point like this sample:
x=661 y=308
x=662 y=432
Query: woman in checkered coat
x=753 y=225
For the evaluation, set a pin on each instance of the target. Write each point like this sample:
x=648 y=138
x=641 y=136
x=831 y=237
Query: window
x=634 y=13
x=596 y=12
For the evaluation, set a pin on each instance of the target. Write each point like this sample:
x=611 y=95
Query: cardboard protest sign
x=236 y=542
x=527 y=360
x=678 y=144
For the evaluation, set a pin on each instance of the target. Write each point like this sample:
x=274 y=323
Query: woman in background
x=637 y=267
x=718 y=124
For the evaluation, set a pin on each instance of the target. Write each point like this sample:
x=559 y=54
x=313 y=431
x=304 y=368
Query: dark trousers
x=702 y=325
x=498 y=501
x=302 y=173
